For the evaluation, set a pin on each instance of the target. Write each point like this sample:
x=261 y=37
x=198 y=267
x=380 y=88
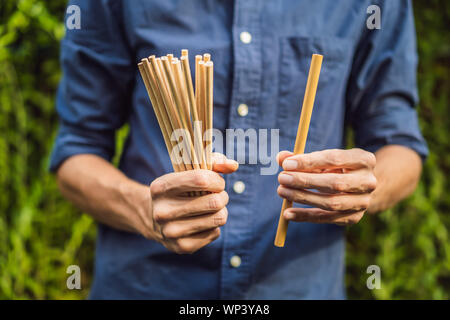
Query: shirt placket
x=244 y=114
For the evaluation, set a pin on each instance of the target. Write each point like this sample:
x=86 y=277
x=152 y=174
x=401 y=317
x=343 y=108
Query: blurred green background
x=41 y=234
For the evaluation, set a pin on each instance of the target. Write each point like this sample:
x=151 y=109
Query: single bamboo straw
x=202 y=98
x=181 y=85
x=302 y=134
x=198 y=139
x=206 y=57
x=173 y=65
x=198 y=58
x=209 y=72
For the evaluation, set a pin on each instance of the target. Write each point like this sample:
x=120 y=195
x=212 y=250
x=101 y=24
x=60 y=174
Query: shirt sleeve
x=382 y=91
x=96 y=85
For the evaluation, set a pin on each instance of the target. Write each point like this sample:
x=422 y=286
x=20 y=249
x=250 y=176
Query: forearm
x=101 y=190
x=397 y=171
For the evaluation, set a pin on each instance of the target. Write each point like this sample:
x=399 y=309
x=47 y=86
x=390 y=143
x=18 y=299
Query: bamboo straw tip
x=209 y=64
x=206 y=57
x=198 y=57
x=140 y=64
x=184 y=52
x=170 y=55
x=317 y=57
x=279 y=244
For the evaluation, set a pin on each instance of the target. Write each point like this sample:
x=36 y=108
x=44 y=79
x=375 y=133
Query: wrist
x=137 y=200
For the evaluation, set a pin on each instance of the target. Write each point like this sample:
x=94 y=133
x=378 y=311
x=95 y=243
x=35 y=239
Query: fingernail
x=231 y=161
x=285 y=178
x=288 y=215
x=289 y=164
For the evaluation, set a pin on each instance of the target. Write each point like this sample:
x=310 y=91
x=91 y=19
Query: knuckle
x=302 y=180
x=371 y=159
x=335 y=157
x=334 y=203
x=161 y=215
x=201 y=179
x=158 y=217
x=365 y=203
x=354 y=219
x=170 y=232
x=297 y=196
x=339 y=184
x=185 y=247
x=216 y=234
x=220 y=218
x=367 y=158
x=372 y=183
x=215 y=202
x=303 y=161
x=158 y=186
x=226 y=198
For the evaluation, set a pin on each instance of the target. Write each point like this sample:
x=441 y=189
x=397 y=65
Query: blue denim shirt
x=368 y=81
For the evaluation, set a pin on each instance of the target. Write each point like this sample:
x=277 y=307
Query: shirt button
x=239 y=187
x=245 y=37
x=242 y=109
x=235 y=261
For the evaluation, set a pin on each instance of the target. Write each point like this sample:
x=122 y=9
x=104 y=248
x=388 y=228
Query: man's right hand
x=183 y=223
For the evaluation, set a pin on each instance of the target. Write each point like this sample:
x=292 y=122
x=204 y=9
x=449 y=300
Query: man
x=154 y=243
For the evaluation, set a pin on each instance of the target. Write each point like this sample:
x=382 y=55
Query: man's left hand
x=338 y=183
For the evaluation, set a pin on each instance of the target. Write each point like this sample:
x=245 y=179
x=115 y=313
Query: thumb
x=221 y=164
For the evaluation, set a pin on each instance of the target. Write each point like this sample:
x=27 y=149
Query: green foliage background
x=41 y=234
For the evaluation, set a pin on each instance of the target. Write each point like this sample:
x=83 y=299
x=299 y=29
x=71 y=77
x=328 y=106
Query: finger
x=222 y=164
x=175 y=208
x=360 y=181
x=329 y=159
x=195 y=242
x=346 y=203
x=191 y=180
x=188 y=226
x=283 y=155
x=315 y=215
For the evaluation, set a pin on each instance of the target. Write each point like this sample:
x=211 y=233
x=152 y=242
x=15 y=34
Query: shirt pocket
x=295 y=59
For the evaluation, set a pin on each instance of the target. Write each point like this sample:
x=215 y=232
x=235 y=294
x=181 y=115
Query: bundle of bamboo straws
x=181 y=112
